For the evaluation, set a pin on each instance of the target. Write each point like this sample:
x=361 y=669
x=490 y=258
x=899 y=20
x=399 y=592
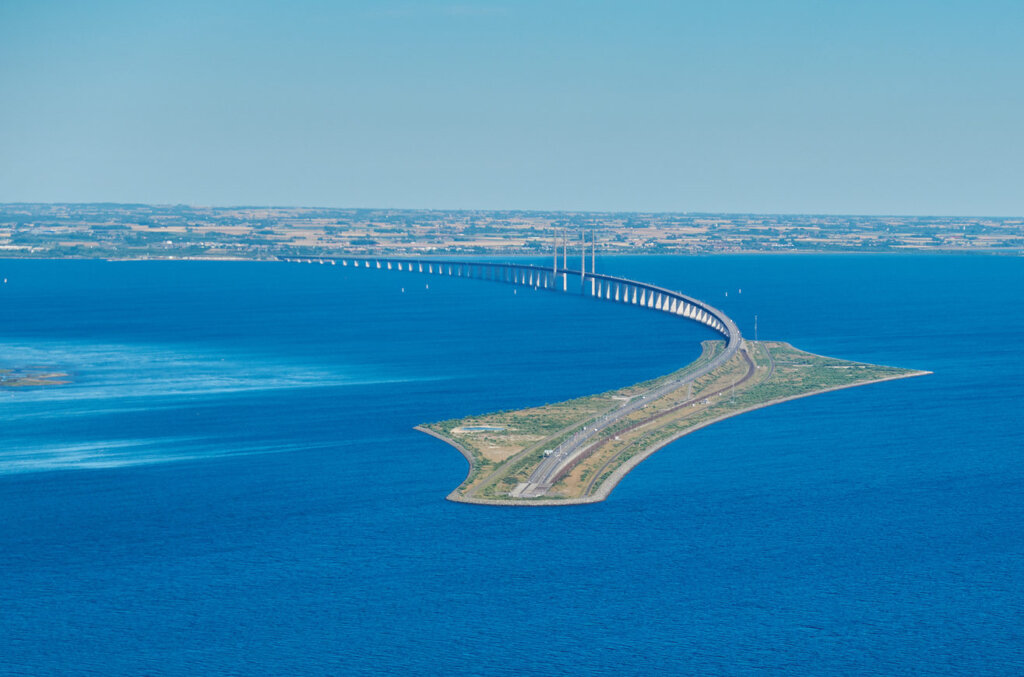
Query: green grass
x=796 y=374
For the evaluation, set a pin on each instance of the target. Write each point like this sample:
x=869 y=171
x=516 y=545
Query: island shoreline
x=605 y=488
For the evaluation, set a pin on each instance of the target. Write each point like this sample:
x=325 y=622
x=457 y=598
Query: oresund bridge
x=561 y=279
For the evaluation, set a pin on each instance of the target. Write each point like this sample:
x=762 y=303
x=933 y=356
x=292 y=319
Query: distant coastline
x=4 y=256
x=163 y=232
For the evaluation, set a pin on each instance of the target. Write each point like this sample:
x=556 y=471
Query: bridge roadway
x=604 y=287
x=555 y=278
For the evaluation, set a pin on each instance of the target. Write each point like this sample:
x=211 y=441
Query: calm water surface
x=231 y=485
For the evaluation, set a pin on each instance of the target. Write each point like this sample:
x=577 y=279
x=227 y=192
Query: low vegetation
x=12 y=378
x=762 y=373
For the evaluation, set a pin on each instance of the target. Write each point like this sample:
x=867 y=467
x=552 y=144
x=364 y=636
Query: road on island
x=607 y=464
x=578 y=447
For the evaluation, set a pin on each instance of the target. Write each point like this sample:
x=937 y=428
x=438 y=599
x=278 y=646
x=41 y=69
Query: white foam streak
x=121 y=372
x=107 y=454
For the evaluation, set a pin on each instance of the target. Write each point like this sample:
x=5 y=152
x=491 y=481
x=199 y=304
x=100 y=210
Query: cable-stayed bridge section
x=555 y=278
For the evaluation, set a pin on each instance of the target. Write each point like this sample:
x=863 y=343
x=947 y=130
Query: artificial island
x=577 y=451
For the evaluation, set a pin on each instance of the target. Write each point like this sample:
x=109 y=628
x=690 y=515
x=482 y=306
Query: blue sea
x=232 y=486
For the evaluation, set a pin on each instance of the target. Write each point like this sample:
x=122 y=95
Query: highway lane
x=553 y=467
x=750 y=373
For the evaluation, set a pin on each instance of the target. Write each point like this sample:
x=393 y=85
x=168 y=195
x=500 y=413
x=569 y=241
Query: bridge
x=555 y=278
x=562 y=279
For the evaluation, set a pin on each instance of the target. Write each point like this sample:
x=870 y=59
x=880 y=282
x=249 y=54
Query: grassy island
x=577 y=451
x=16 y=378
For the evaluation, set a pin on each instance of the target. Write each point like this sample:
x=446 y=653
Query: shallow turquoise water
x=232 y=484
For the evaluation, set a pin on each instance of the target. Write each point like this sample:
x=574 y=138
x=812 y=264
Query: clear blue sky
x=835 y=107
